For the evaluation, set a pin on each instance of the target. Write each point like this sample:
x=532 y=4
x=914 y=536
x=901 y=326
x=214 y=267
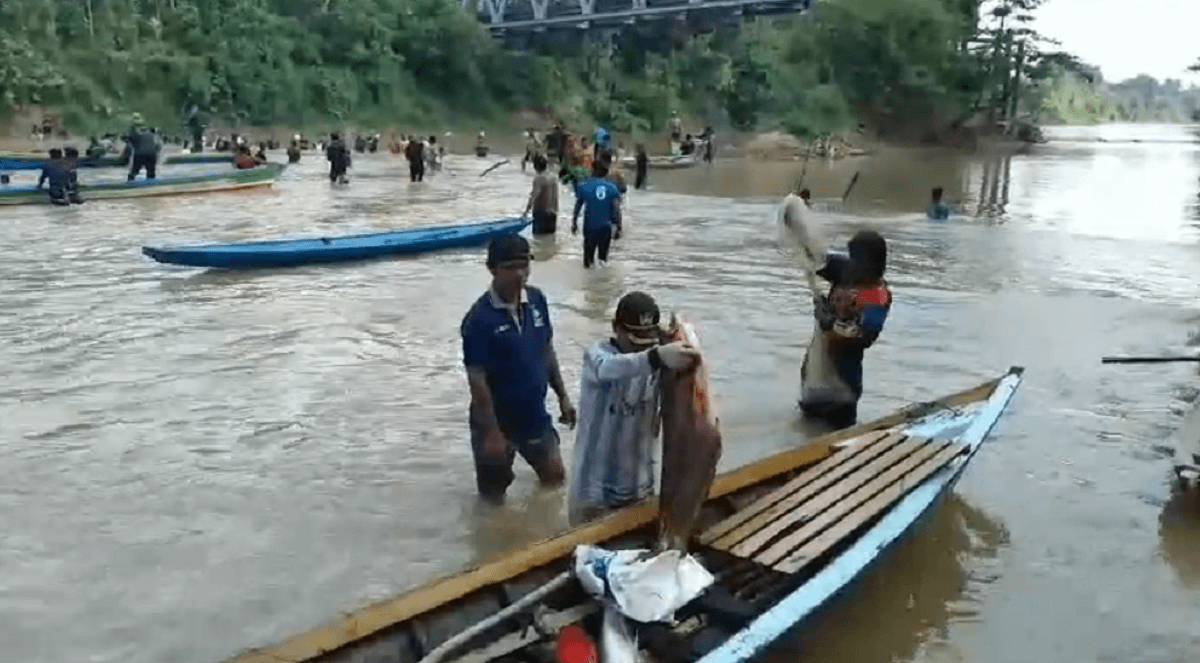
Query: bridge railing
x=535 y=14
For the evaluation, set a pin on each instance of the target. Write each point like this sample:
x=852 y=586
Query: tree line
x=916 y=64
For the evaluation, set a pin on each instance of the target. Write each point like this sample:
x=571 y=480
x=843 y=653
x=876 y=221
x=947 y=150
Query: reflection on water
x=909 y=599
x=1179 y=534
x=197 y=462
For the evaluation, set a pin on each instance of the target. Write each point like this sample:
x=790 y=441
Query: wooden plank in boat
x=809 y=483
x=811 y=551
x=850 y=501
x=752 y=546
x=721 y=529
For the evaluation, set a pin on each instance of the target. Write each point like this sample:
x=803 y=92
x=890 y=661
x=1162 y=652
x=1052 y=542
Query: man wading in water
x=339 y=159
x=543 y=199
x=510 y=360
x=619 y=398
x=850 y=319
x=603 y=202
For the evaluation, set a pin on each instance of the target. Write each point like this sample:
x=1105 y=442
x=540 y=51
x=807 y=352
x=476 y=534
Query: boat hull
x=291 y=253
x=203 y=157
x=664 y=163
x=264 y=176
x=32 y=161
x=402 y=629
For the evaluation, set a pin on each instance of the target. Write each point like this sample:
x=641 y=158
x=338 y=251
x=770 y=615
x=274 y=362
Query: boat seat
x=804 y=519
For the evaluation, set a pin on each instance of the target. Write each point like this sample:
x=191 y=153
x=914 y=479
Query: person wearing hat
x=619 y=397
x=510 y=361
x=850 y=319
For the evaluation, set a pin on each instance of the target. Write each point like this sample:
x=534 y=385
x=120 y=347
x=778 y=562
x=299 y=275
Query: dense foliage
x=395 y=62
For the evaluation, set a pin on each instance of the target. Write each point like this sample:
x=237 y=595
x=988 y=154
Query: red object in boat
x=574 y=646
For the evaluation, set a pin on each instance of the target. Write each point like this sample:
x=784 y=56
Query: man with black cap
x=619 y=399
x=850 y=318
x=510 y=362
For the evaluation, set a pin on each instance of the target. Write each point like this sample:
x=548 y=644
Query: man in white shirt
x=618 y=410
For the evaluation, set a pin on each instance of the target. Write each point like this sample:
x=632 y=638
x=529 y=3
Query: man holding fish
x=620 y=399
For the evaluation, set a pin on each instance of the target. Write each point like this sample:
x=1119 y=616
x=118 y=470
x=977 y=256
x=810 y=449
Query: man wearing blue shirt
x=510 y=364
x=602 y=199
x=937 y=210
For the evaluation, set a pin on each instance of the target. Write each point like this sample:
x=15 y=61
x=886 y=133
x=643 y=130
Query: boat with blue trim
x=782 y=537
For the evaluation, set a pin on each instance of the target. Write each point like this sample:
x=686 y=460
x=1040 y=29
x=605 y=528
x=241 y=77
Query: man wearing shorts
x=510 y=361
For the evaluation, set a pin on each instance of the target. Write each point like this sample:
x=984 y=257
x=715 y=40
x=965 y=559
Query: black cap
x=637 y=311
x=506 y=248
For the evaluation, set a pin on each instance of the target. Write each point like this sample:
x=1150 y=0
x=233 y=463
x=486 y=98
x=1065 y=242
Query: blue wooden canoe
x=902 y=462
x=292 y=252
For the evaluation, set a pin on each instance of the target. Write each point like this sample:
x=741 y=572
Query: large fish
x=819 y=380
x=691 y=446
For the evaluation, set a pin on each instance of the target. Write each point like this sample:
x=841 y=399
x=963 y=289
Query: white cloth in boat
x=643 y=588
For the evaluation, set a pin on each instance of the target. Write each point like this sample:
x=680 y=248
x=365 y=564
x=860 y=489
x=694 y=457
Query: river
x=198 y=462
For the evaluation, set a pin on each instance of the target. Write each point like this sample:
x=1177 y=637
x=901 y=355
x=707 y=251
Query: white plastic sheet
x=643 y=588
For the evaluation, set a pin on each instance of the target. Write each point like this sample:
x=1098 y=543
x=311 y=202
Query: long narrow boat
x=292 y=252
x=263 y=176
x=35 y=160
x=665 y=162
x=782 y=536
x=202 y=157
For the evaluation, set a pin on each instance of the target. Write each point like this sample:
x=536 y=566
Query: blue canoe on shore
x=292 y=252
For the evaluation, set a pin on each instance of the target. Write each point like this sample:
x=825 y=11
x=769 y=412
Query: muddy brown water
x=198 y=462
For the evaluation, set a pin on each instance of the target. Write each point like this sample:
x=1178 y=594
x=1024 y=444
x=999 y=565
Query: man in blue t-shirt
x=602 y=200
x=937 y=210
x=510 y=364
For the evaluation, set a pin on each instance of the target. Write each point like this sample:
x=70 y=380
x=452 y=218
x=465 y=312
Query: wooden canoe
x=263 y=176
x=901 y=464
x=665 y=162
x=35 y=160
x=200 y=157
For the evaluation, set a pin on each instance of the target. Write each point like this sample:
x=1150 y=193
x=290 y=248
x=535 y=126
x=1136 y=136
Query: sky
x=1127 y=37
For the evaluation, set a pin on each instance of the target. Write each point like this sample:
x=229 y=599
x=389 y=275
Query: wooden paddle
x=1146 y=360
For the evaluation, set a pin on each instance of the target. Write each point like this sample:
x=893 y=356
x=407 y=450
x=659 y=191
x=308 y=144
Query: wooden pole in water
x=853 y=181
x=1146 y=360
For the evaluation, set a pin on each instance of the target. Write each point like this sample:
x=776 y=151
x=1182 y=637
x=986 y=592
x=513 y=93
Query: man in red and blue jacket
x=850 y=318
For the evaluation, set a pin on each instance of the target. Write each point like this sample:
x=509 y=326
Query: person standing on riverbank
x=850 y=319
x=543 y=199
x=613 y=465
x=509 y=355
x=602 y=201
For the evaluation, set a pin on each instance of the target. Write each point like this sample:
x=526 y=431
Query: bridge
x=504 y=16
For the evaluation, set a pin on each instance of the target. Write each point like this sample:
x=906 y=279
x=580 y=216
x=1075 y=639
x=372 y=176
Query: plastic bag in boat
x=643 y=588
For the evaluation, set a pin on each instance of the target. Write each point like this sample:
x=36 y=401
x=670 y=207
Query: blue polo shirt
x=513 y=350
x=598 y=197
